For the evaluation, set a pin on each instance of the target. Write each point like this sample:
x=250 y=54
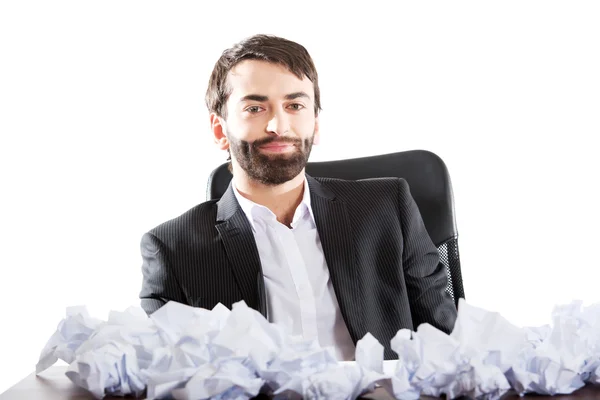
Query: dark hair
x=268 y=48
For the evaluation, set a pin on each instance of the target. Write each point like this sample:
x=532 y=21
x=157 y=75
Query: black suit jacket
x=384 y=268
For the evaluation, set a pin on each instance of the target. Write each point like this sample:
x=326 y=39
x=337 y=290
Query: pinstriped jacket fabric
x=384 y=268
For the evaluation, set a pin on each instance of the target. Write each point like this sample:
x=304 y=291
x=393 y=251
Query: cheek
x=305 y=127
x=245 y=129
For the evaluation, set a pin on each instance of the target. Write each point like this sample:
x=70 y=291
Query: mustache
x=276 y=140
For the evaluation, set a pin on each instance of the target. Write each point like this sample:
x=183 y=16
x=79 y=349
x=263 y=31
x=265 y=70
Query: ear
x=218 y=129
x=317 y=137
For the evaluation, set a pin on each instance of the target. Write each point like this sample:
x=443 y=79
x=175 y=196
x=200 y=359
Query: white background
x=104 y=134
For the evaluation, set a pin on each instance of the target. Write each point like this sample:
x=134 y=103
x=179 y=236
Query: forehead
x=264 y=78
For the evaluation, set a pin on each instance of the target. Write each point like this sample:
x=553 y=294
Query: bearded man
x=328 y=259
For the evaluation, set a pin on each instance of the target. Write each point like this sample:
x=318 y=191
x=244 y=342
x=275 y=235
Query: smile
x=277 y=148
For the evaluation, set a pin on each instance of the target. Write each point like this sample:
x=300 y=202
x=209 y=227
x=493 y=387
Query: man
x=328 y=259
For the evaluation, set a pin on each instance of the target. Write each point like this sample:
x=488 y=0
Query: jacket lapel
x=333 y=226
x=237 y=237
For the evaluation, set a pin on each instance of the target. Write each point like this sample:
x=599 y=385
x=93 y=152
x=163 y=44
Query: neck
x=282 y=199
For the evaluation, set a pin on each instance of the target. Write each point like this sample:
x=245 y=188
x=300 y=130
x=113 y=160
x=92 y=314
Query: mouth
x=277 y=147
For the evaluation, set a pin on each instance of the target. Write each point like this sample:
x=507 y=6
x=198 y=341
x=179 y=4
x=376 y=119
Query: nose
x=278 y=124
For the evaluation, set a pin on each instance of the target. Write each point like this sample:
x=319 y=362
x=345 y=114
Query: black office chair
x=429 y=183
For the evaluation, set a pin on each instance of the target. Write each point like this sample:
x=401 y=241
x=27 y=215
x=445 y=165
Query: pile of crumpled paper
x=184 y=352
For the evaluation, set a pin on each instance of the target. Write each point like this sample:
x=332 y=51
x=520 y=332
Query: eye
x=253 y=109
x=296 y=106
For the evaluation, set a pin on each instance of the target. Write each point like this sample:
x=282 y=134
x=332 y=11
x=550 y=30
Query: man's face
x=271 y=123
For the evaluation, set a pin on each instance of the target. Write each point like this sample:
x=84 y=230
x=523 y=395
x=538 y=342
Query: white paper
x=72 y=331
x=191 y=353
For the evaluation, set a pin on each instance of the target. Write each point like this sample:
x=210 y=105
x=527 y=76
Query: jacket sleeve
x=425 y=275
x=159 y=284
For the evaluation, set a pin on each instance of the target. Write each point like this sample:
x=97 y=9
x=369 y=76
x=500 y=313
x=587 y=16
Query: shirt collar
x=255 y=211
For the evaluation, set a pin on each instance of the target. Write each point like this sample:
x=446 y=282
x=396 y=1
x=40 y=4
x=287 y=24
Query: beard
x=271 y=169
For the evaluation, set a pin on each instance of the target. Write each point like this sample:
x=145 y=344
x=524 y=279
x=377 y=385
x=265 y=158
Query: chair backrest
x=429 y=183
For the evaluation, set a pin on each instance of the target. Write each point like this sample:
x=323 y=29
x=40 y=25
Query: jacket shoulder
x=196 y=221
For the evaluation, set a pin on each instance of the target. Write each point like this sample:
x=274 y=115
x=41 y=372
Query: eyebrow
x=262 y=98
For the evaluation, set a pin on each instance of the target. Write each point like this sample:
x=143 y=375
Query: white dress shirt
x=299 y=291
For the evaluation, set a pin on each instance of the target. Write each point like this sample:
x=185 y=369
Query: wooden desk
x=53 y=384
